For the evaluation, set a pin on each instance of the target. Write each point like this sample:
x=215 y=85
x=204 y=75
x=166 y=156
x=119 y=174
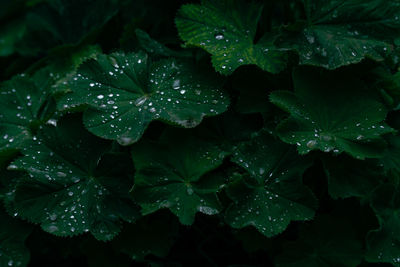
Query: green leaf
x=338 y=33
x=226 y=29
x=348 y=177
x=47 y=27
x=21 y=101
x=170 y=174
x=383 y=244
x=13 y=234
x=153 y=234
x=273 y=195
x=73 y=186
x=332 y=112
x=328 y=241
x=126 y=92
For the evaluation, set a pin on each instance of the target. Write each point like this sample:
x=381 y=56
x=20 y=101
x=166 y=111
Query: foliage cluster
x=200 y=133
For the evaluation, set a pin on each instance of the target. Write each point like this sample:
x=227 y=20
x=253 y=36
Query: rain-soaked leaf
x=126 y=92
x=21 y=102
x=383 y=244
x=121 y=120
x=173 y=174
x=226 y=29
x=13 y=234
x=272 y=195
x=332 y=112
x=336 y=33
x=73 y=186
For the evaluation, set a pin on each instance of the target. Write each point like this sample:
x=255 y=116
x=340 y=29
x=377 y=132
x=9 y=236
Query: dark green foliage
x=200 y=133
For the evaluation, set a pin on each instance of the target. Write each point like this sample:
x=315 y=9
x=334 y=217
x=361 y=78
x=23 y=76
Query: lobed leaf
x=170 y=174
x=226 y=29
x=22 y=101
x=332 y=112
x=126 y=92
x=70 y=193
x=273 y=195
x=338 y=33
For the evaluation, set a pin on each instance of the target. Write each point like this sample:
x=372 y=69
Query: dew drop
x=125 y=141
x=189 y=190
x=311 y=144
x=219 y=37
x=52 y=229
x=176 y=85
x=140 y=101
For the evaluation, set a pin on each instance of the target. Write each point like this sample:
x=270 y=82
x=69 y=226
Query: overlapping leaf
x=72 y=187
x=126 y=92
x=13 y=234
x=338 y=33
x=172 y=174
x=332 y=112
x=27 y=102
x=273 y=195
x=21 y=101
x=384 y=243
x=226 y=29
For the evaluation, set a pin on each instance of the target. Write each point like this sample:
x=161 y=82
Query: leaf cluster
x=185 y=133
